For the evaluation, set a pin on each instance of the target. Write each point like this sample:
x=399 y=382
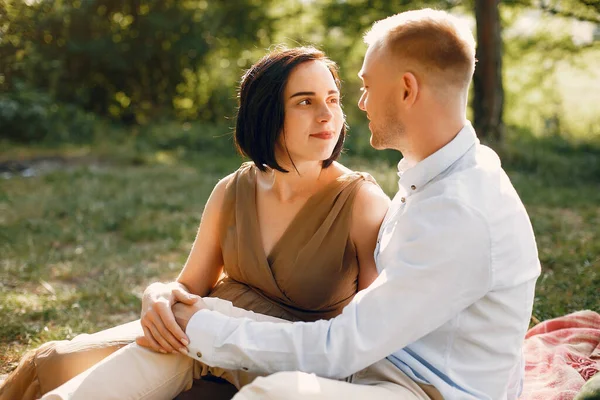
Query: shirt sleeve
x=227 y=308
x=434 y=262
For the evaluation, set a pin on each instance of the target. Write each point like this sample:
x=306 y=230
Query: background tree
x=488 y=89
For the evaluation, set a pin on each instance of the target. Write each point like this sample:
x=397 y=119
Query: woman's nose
x=325 y=113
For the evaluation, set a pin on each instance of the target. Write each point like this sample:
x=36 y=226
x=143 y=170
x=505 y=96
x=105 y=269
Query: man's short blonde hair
x=441 y=45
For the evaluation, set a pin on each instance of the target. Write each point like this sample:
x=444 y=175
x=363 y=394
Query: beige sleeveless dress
x=310 y=274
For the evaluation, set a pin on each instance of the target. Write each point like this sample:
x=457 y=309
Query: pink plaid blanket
x=561 y=354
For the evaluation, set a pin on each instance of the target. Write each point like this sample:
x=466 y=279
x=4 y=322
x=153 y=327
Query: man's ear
x=410 y=89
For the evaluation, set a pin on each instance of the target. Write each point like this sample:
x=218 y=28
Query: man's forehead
x=372 y=58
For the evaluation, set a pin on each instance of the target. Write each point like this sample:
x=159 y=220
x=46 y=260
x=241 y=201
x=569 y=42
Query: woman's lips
x=323 y=135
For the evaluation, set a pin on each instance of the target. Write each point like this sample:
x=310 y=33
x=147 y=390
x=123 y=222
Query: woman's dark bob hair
x=261 y=107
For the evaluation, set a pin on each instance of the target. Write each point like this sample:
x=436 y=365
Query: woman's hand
x=161 y=331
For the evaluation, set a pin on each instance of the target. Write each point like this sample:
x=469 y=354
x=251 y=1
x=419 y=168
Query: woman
x=293 y=231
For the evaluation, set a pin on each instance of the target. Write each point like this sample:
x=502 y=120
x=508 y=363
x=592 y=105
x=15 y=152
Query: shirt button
x=199 y=355
x=413 y=187
x=403 y=199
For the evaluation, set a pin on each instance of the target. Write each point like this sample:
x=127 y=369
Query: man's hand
x=183 y=312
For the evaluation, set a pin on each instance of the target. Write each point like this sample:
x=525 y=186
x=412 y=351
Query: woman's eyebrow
x=312 y=93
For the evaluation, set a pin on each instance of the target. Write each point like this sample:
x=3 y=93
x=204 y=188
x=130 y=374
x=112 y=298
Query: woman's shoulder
x=226 y=182
x=369 y=208
x=370 y=202
x=371 y=196
x=345 y=173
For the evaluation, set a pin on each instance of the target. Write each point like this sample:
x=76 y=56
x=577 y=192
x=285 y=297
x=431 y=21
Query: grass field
x=83 y=236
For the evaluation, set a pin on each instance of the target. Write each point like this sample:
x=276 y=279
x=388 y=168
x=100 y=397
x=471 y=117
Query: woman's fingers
x=150 y=342
x=161 y=340
x=172 y=340
x=168 y=319
x=164 y=320
x=184 y=297
x=160 y=327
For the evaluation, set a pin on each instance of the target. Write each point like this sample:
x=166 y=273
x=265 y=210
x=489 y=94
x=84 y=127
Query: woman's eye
x=304 y=102
x=335 y=100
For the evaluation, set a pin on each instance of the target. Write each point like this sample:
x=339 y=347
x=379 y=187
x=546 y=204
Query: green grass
x=80 y=243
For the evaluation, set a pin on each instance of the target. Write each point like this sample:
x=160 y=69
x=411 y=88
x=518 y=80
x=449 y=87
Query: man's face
x=380 y=98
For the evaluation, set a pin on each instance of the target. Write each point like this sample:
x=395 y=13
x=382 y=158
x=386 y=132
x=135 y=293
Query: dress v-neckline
x=268 y=257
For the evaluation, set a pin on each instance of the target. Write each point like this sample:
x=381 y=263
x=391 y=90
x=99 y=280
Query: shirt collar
x=413 y=178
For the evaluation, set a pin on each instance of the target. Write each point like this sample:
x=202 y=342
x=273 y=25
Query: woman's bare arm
x=199 y=275
x=370 y=206
x=205 y=261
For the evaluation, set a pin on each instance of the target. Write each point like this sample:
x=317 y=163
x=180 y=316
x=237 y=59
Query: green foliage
x=548 y=73
x=552 y=159
x=131 y=60
x=217 y=139
x=28 y=115
x=583 y=10
x=139 y=62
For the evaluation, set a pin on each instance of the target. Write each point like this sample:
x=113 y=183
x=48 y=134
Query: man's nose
x=361 y=101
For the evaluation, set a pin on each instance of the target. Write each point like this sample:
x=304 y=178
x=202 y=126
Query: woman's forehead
x=313 y=75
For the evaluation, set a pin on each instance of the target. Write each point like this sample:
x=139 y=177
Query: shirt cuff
x=203 y=329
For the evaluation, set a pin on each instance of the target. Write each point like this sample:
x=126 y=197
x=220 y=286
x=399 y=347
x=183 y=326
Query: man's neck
x=431 y=137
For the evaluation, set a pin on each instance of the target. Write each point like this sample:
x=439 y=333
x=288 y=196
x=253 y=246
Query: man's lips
x=323 y=135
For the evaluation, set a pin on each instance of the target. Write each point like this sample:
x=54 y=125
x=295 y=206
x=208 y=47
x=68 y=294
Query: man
x=456 y=253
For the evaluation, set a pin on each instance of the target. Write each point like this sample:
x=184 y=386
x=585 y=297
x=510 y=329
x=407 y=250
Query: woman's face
x=313 y=115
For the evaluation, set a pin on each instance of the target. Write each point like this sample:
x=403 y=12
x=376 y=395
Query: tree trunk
x=488 y=99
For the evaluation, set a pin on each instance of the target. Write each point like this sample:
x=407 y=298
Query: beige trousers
x=134 y=372
x=137 y=373
x=54 y=363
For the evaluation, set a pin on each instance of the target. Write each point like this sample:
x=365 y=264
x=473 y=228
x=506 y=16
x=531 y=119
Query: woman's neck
x=300 y=182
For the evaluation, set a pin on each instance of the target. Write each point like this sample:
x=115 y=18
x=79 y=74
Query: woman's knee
x=58 y=361
x=24 y=381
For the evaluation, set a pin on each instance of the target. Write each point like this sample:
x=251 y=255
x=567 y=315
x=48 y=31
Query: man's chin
x=376 y=144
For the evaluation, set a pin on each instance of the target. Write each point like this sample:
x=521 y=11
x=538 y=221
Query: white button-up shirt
x=457 y=264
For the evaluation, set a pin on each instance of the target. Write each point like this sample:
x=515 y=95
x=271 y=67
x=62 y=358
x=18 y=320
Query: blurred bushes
x=186 y=136
x=68 y=67
x=127 y=60
x=553 y=159
x=29 y=115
